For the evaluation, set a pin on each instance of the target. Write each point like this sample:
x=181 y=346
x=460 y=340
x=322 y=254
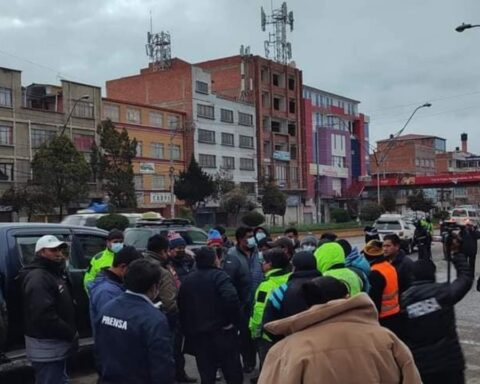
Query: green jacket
x=273 y=279
x=99 y=261
x=331 y=262
x=427 y=225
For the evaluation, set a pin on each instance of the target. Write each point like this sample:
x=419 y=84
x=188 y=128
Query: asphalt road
x=468 y=324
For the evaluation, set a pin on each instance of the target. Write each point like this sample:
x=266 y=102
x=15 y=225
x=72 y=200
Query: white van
x=461 y=214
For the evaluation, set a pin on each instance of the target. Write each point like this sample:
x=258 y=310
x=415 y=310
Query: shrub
x=113 y=221
x=340 y=215
x=370 y=212
x=253 y=219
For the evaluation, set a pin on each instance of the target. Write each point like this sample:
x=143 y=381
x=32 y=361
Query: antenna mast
x=277 y=40
x=158 y=48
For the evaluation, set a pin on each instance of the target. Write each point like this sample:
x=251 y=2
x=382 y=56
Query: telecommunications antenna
x=158 y=48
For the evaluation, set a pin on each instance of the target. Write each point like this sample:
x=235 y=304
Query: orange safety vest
x=390 y=305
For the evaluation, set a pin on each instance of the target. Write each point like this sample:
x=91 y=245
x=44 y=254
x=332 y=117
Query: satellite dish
x=263 y=18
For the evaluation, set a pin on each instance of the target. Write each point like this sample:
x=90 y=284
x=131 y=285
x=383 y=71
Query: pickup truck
x=17 y=244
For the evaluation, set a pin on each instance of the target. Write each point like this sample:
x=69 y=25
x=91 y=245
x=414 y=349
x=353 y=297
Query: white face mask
x=251 y=243
x=117 y=247
x=308 y=248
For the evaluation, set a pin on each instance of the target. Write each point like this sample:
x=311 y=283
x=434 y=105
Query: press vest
x=390 y=305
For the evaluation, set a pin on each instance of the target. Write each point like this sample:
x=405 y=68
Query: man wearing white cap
x=49 y=314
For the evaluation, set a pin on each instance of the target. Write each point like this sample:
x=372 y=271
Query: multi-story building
x=160 y=149
x=337 y=149
x=276 y=91
x=32 y=115
x=219 y=130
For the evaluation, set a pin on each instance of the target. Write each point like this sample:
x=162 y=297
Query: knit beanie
x=347 y=247
x=175 y=240
x=115 y=234
x=214 y=238
x=304 y=261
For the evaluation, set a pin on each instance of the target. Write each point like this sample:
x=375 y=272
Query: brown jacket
x=338 y=342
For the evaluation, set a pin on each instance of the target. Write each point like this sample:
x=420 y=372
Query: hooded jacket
x=359 y=264
x=337 y=342
x=104 y=288
x=97 y=263
x=331 y=262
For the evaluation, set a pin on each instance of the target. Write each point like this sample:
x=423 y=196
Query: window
x=267 y=149
x=228 y=162
x=246 y=141
x=157 y=150
x=292 y=129
x=173 y=122
x=291 y=106
x=111 y=112
x=281 y=174
x=228 y=139
x=83 y=143
x=175 y=151
x=158 y=182
x=156 y=119
x=207 y=161
x=6 y=135
x=206 y=136
x=83 y=109
x=41 y=136
x=206 y=111
x=293 y=152
x=5 y=97
x=226 y=115
x=291 y=83
x=6 y=172
x=276 y=79
x=246 y=164
x=245 y=119
x=133 y=115
x=26 y=246
x=293 y=175
x=90 y=245
x=201 y=87
x=338 y=162
x=138 y=181
x=139 y=149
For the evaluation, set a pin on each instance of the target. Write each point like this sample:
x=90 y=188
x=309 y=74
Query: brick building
x=160 y=149
x=276 y=91
x=33 y=115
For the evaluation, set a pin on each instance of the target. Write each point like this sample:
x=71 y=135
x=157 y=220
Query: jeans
x=53 y=372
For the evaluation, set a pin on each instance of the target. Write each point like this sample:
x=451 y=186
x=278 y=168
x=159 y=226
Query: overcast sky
x=390 y=55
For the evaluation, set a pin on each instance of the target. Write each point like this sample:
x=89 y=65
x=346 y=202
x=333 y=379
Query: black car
x=17 y=244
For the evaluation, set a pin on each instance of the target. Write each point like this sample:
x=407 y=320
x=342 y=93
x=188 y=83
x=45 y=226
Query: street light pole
x=84 y=97
x=464 y=26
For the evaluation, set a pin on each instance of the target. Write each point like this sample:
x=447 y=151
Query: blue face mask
x=117 y=247
x=251 y=243
x=259 y=236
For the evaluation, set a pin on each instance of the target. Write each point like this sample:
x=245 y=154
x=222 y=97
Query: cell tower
x=158 y=49
x=277 y=40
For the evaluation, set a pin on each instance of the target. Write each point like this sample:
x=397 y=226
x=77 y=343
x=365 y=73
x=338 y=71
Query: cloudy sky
x=390 y=55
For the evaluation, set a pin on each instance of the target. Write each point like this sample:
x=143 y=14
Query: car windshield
x=459 y=213
x=138 y=237
x=393 y=225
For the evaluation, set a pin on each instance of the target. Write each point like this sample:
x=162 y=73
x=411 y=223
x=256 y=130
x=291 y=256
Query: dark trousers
x=219 y=349
x=471 y=262
x=178 y=340
x=263 y=346
x=54 y=372
x=247 y=345
x=446 y=377
x=424 y=252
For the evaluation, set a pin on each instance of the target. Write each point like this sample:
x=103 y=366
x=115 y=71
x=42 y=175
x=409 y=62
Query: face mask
x=117 y=247
x=251 y=242
x=309 y=248
x=259 y=236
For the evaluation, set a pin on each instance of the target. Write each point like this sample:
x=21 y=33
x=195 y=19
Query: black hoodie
x=49 y=311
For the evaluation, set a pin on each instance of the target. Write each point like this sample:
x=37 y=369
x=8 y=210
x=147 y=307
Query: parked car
x=461 y=214
x=17 y=244
x=90 y=219
x=144 y=229
x=392 y=223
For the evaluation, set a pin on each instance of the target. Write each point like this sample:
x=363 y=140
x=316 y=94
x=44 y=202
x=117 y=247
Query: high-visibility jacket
x=390 y=302
x=97 y=263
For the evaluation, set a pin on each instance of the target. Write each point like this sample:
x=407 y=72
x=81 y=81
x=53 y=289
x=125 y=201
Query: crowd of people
x=292 y=309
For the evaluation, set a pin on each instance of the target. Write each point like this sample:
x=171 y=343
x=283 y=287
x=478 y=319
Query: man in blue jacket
x=132 y=337
x=109 y=282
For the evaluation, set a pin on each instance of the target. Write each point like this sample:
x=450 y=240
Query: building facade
x=160 y=149
x=33 y=115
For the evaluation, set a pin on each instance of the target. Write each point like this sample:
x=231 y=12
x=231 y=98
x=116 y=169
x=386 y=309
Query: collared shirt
x=145 y=297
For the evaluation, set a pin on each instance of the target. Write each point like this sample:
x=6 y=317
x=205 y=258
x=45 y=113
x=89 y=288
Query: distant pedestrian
x=336 y=342
x=104 y=259
x=285 y=244
x=292 y=234
x=430 y=329
x=215 y=241
x=309 y=243
x=209 y=313
x=470 y=236
x=402 y=263
x=132 y=335
x=422 y=240
x=227 y=243
x=49 y=313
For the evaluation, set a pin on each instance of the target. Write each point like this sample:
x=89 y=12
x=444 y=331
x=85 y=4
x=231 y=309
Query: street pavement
x=467 y=312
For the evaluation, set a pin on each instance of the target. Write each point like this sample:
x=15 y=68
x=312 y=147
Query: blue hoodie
x=103 y=289
x=358 y=263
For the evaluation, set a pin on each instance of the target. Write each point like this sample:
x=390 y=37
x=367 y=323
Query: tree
x=28 y=198
x=234 y=201
x=253 y=219
x=223 y=184
x=389 y=202
x=113 y=221
x=418 y=202
x=370 y=212
x=61 y=172
x=274 y=201
x=340 y=215
x=194 y=186
x=111 y=162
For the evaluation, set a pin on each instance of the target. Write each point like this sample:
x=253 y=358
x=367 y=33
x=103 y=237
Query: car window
x=459 y=213
x=73 y=220
x=393 y=225
x=472 y=213
x=26 y=247
x=88 y=246
x=197 y=237
x=91 y=221
x=138 y=237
